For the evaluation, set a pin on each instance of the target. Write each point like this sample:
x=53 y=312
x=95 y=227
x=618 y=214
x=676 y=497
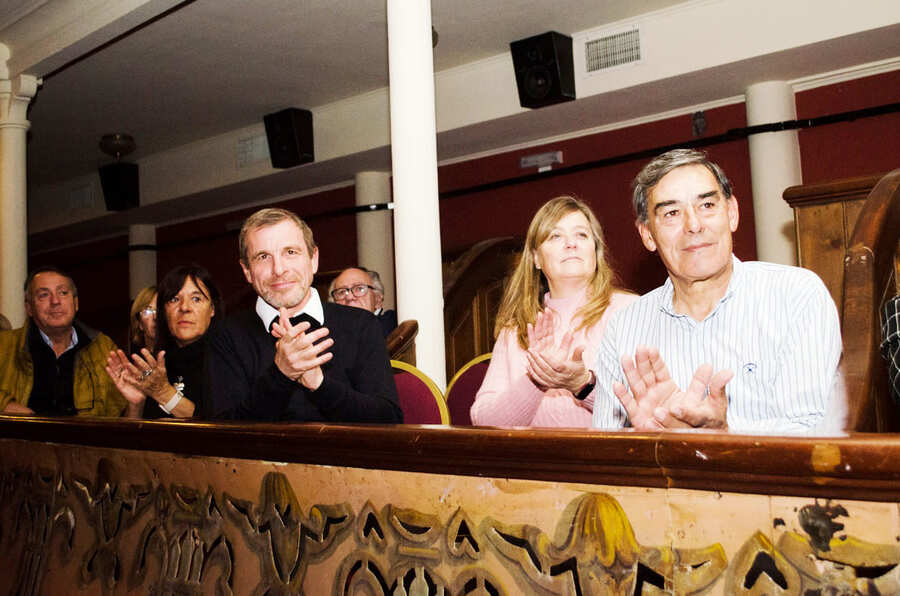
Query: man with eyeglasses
x=54 y=365
x=362 y=288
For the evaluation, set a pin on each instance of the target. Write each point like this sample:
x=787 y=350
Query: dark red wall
x=100 y=270
x=857 y=148
x=833 y=151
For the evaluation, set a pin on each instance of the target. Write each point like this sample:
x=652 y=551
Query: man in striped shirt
x=746 y=347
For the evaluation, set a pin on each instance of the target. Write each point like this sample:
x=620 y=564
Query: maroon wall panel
x=100 y=270
x=857 y=148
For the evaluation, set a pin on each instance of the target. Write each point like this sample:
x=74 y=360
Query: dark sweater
x=52 y=394
x=243 y=382
x=183 y=365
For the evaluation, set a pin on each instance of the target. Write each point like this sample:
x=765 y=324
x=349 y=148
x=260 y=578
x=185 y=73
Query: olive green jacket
x=93 y=391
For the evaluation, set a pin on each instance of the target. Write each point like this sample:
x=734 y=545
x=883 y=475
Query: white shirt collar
x=72 y=342
x=313 y=308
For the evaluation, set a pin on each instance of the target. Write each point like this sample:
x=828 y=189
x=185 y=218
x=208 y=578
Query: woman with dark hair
x=550 y=323
x=188 y=302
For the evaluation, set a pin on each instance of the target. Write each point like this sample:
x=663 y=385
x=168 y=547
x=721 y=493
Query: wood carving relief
x=116 y=531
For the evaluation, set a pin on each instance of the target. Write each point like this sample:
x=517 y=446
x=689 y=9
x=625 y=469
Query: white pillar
x=141 y=258
x=14 y=97
x=375 y=230
x=417 y=232
x=774 y=166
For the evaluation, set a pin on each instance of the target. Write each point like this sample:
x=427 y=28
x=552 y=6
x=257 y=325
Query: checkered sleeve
x=890 y=346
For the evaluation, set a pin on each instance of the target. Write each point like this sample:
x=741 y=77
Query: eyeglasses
x=148 y=311
x=358 y=291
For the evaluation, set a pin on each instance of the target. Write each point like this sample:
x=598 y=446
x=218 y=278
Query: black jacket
x=243 y=382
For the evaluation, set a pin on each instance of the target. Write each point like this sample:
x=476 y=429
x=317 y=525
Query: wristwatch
x=586 y=390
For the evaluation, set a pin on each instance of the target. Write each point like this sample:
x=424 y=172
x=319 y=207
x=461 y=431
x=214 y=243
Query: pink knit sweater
x=507 y=396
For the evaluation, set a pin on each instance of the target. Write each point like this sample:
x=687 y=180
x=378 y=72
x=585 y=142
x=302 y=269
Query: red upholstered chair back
x=463 y=387
x=420 y=399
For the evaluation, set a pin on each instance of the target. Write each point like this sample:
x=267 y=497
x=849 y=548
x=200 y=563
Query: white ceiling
x=218 y=65
x=172 y=72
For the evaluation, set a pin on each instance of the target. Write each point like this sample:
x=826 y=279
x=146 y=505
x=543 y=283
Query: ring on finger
x=146 y=373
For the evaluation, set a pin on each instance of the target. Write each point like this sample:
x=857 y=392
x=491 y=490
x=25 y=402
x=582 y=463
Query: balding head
x=347 y=286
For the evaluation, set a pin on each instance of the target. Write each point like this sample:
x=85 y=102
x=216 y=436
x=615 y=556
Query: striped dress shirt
x=776 y=328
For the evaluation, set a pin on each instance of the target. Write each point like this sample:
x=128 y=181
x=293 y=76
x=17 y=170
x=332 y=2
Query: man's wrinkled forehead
x=352 y=277
x=284 y=233
x=51 y=281
x=665 y=193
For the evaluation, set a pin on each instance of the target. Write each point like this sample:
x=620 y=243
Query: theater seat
x=463 y=387
x=420 y=399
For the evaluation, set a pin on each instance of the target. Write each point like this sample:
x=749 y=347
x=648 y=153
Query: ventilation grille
x=612 y=50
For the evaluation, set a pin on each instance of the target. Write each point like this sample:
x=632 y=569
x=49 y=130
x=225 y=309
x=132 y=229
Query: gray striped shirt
x=776 y=328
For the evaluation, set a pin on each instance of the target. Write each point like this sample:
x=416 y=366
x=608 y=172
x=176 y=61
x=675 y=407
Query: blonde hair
x=135 y=331
x=525 y=290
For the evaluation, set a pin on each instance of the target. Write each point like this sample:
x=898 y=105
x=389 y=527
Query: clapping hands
x=655 y=402
x=300 y=354
x=145 y=376
x=551 y=365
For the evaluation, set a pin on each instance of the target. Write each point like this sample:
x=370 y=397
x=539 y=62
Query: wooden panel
x=824 y=217
x=823 y=251
x=105 y=520
x=851 y=214
x=473 y=288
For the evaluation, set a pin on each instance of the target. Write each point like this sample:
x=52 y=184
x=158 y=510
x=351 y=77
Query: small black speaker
x=290 y=136
x=545 y=73
x=121 y=186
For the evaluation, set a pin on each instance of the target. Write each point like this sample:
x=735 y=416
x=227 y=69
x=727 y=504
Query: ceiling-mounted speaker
x=290 y=136
x=545 y=72
x=121 y=186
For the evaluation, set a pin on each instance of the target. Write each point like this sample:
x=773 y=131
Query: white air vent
x=622 y=47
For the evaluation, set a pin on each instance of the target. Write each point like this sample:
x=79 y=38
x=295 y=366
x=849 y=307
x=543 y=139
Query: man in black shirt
x=293 y=357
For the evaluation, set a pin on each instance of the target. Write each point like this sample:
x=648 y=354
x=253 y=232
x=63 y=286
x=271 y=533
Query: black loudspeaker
x=545 y=73
x=120 y=184
x=290 y=136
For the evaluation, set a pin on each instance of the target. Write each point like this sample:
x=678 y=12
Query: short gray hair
x=653 y=172
x=47 y=269
x=376 y=280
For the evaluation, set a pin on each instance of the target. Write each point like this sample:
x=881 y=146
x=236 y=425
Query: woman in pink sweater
x=550 y=323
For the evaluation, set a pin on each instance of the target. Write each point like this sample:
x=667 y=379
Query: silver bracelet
x=170 y=405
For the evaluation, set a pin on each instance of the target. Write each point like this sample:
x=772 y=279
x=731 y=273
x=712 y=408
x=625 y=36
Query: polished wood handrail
x=857 y=466
x=868 y=281
x=829 y=192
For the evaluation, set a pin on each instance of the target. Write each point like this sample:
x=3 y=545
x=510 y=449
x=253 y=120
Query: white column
x=774 y=166
x=375 y=230
x=417 y=232
x=14 y=97
x=141 y=258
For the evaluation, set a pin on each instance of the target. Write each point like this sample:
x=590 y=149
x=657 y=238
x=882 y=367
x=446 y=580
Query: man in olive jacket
x=53 y=365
